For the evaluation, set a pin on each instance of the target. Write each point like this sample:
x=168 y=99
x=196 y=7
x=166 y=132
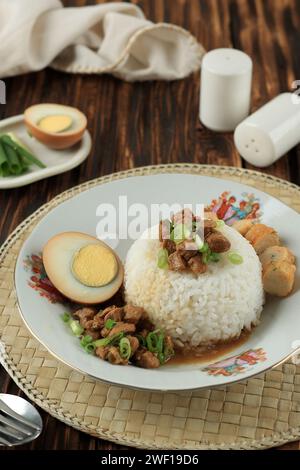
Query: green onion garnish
x=205 y=257
x=235 y=258
x=117 y=338
x=99 y=343
x=110 y=323
x=210 y=257
x=141 y=340
x=220 y=223
x=160 y=343
x=85 y=340
x=108 y=340
x=214 y=257
x=155 y=341
x=205 y=248
x=180 y=233
x=199 y=242
x=162 y=258
x=76 y=328
x=161 y=358
x=151 y=341
x=125 y=348
x=89 y=348
x=65 y=317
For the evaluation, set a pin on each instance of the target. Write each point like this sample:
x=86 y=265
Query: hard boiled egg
x=55 y=125
x=82 y=268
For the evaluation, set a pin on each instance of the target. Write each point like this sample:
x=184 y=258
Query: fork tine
x=10 y=433
x=8 y=411
x=4 y=442
x=14 y=425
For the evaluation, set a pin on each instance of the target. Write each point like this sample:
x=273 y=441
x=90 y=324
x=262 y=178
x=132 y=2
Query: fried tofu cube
x=276 y=254
x=262 y=237
x=278 y=278
x=242 y=226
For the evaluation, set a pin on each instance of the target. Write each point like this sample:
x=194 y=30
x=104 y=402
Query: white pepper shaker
x=270 y=132
x=225 y=94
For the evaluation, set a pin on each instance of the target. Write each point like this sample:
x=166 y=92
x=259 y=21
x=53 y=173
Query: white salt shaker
x=226 y=76
x=270 y=132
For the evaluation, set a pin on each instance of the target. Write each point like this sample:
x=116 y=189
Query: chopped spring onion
x=155 y=341
x=65 y=317
x=235 y=258
x=89 y=348
x=199 y=242
x=160 y=343
x=99 y=343
x=76 y=327
x=151 y=341
x=85 y=340
x=87 y=344
x=205 y=248
x=220 y=223
x=214 y=257
x=125 y=348
x=210 y=257
x=180 y=233
x=117 y=338
x=205 y=258
x=141 y=340
x=108 y=340
x=161 y=358
x=110 y=323
x=162 y=258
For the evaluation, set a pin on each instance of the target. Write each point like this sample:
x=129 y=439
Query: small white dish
x=56 y=161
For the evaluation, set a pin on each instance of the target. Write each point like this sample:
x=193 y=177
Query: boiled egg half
x=55 y=125
x=82 y=268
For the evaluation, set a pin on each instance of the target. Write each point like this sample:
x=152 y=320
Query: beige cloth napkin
x=108 y=38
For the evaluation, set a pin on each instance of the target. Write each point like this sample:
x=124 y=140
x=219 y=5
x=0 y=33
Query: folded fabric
x=108 y=38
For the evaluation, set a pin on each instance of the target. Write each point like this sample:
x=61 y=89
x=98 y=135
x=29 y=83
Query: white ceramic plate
x=271 y=342
x=56 y=161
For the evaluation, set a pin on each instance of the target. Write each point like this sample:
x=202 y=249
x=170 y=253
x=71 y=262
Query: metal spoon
x=20 y=422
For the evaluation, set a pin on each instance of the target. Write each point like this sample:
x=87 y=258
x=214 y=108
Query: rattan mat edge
x=259 y=413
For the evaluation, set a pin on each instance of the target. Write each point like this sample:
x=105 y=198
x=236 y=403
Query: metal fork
x=20 y=422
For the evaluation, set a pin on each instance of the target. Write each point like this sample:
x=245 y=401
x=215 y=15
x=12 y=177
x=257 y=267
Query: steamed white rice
x=211 y=307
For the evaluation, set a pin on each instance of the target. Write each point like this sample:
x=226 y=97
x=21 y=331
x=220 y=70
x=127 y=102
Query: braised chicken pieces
x=189 y=244
x=123 y=335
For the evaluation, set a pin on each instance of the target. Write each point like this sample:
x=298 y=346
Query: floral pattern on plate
x=234 y=365
x=39 y=280
x=227 y=207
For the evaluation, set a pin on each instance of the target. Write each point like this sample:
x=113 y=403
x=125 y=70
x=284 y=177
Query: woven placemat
x=261 y=412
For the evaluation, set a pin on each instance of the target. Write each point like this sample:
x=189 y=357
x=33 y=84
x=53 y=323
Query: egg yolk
x=94 y=266
x=55 y=123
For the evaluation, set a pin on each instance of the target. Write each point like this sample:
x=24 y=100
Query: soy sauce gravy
x=212 y=353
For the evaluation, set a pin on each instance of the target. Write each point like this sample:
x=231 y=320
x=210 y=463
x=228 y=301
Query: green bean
x=22 y=151
x=15 y=165
x=4 y=168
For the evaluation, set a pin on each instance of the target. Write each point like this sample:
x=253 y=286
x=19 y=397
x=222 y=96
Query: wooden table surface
x=156 y=122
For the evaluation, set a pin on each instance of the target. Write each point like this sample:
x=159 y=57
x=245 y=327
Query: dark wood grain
x=156 y=122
